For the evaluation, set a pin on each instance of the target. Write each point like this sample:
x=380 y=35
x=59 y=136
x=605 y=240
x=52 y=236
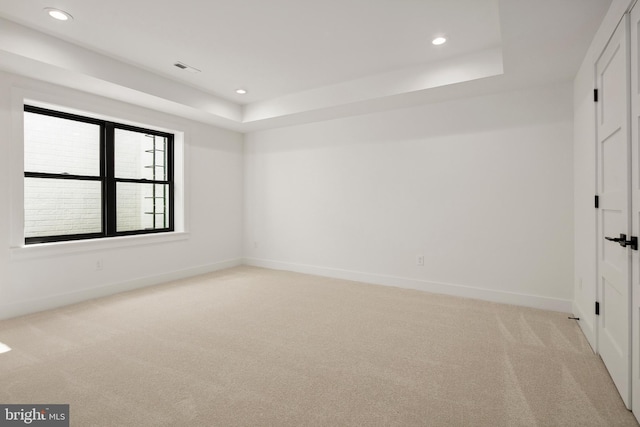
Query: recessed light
x=438 y=41
x=58 y=14
x=241 y=91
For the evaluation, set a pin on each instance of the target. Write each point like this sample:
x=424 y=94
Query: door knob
x=622 y=241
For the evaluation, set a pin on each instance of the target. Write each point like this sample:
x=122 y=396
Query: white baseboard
x=60 y=300
x=533 y=301
x=35 y=305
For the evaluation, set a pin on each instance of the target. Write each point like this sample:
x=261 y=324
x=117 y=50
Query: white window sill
x=42 y=250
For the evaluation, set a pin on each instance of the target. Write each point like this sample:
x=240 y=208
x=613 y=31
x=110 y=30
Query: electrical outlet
x=420 y=260
x=99 y=265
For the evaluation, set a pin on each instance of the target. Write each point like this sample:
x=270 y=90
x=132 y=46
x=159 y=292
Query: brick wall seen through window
x=87 y=178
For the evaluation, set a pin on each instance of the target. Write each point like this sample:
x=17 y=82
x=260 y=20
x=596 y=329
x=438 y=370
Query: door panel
x=612 y=254
x=613 y=326
x=614 y=176
x=613 y=153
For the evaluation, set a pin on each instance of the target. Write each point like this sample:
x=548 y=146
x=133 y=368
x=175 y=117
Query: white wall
x=482 y=187
x=32 y=280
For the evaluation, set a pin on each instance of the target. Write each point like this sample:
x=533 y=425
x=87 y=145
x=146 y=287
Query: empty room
x=332 y=213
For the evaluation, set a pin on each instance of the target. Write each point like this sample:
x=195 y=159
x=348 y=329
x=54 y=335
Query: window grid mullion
x=110 y=182
x=169 y=176
x=141 y=181
x=47 y=175
x=103 y=174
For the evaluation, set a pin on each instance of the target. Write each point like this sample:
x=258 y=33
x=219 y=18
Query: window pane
x=54 y=207
x=140 y=156
x=142 y=206
x=56 y=145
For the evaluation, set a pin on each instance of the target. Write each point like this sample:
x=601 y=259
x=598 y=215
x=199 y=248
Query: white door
x=635 y=207
x=613 y=139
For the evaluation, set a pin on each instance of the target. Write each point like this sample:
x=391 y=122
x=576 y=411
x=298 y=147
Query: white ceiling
x=300 y=60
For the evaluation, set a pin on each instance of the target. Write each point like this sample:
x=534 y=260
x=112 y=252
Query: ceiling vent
x=186 y=67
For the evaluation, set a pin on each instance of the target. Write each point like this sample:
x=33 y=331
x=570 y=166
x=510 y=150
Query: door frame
x=598 y=320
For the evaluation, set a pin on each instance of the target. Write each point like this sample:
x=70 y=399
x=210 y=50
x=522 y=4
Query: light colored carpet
x=254 y=347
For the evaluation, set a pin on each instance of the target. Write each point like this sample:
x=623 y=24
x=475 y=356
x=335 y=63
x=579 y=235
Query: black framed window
x=87 y=178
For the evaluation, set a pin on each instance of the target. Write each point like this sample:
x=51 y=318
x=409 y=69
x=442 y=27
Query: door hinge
x=597 y=201
x=595 y=95
x=597 y=308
